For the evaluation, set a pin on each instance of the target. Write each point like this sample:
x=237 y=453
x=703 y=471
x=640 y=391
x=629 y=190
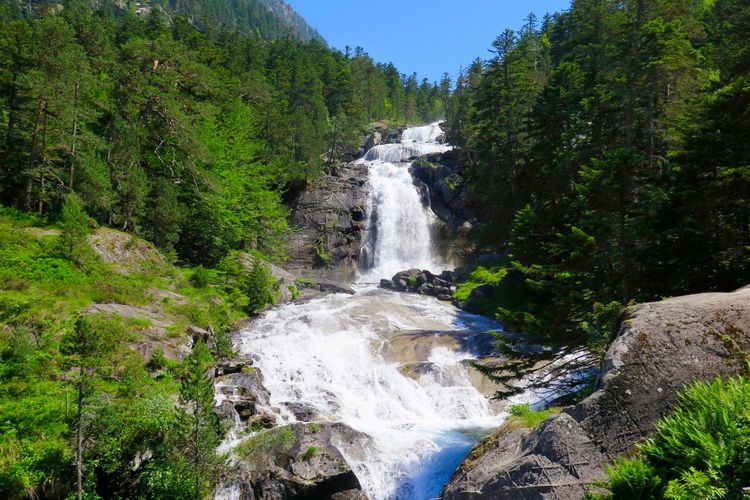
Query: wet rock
x=411 y=347
x=387 y=284
x=261 y=421
x=302 y=412
x=374 y=139
x=231 y=366
x=300 y=461
x=661 y=347
x=394 y=136
x=422 y=282
x=242 y=392
x=334 y=287
x=225 y=411
x=482 y=292
x=245 y=408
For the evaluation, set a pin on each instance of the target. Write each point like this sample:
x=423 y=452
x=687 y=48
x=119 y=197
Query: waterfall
x=393 y=366
x=399 y=226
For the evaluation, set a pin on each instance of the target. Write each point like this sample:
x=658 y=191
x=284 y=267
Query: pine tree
x=200 y=433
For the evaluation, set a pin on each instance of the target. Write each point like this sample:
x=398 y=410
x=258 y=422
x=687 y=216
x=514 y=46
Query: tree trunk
x=75 y=135
x=79 y=439
x=32 y=156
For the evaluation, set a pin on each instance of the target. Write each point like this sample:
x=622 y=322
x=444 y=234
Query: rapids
x=338 y=354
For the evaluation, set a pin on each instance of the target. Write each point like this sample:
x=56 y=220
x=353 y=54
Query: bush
x=260 y=287
x=75 y=229
x=158 y=360
x=200 y=277
x=702 y=450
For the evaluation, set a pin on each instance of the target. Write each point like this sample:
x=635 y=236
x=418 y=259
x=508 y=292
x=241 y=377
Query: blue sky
x=426 y=36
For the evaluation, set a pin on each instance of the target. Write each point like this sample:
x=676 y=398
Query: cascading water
x=399 y=226
x=343 y=357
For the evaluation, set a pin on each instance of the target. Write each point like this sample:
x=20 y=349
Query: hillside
x=271 y=19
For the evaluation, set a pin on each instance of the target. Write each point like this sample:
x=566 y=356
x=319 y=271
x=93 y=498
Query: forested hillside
x=187 y=138
x=270 y=19
x=606 y=149
x=118 y=127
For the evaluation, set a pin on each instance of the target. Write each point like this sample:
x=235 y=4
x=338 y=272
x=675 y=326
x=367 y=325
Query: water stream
x=344 y=356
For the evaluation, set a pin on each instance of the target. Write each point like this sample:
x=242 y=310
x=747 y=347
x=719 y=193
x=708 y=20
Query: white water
x=339 y=354
x=330 y=354
x=399 y=226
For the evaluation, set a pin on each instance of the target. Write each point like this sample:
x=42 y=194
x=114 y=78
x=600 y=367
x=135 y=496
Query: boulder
x=374 y=139
x=387 y=284
x=482 y=292
x=231 y=366
x=299 y=461
x=240 y=394
x=334 y=287
x=660 y=348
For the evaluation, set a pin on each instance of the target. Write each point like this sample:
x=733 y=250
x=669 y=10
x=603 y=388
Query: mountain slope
x=272 y=19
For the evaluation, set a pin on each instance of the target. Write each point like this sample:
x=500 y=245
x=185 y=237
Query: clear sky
x=426 y=36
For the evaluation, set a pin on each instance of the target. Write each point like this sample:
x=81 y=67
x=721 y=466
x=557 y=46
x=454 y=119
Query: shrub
x=158 y=360
x=260 y=287
x=75 y=229
x=200 y=277
x=702 y=450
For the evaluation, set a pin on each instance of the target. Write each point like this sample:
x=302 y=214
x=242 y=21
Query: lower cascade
x=395 y=367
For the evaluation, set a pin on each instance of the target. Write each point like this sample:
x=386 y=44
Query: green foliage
x=600 y=145
x=309 y=453
x=701 y=450
x=186 y=134
x=200 y=277
x=276 y=442
x=200 y=425
x=523 y=416
x=158 y=360
x=324 y=256
x=75 y=229
x=127 y=413
x=260 y=287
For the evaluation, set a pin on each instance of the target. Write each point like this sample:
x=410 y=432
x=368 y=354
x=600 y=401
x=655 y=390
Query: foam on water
x=326 y=354
x=334 y=354
x=399 y=227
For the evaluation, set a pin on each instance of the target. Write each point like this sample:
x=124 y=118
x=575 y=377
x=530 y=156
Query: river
x=344 y=356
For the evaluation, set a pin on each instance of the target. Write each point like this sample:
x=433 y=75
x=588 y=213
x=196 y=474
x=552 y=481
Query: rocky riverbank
x=660 y=348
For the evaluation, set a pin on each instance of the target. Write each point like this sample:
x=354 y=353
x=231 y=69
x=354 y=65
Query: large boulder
x=661 y=347
x=421 y=282
x=328 y=223
x=299 y=461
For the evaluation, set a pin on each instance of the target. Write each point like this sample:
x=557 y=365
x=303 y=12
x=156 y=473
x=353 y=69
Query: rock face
x=660 y=348
x=299 y=461
x=441 y=180
x=443 y=177
x=328 y=220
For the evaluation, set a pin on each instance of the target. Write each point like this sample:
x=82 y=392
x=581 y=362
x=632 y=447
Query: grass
x=41 y=292
x=308 y=454
x=268 y=444
x=522 y=416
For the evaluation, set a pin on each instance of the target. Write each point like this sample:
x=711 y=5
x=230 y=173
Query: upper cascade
x=397 y=153
x=399 y=227
x=425 y=134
